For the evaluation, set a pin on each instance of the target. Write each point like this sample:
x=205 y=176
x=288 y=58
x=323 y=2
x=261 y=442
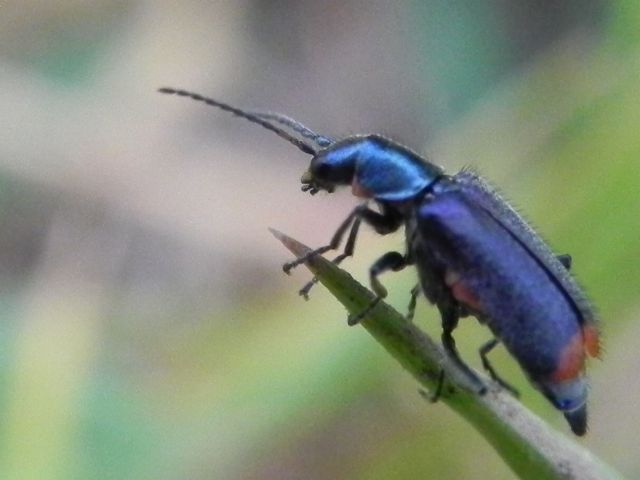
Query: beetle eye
x=321 y=171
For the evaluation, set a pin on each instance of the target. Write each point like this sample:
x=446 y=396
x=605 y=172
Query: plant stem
x=524 y=441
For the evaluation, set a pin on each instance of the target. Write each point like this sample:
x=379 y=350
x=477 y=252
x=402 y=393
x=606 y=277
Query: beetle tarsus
x=304 y=291
x=348 y=249
x=287 y=267
x=353 y=320
x=437 y=393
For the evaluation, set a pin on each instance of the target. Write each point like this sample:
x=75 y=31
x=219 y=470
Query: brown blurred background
x=146 y=328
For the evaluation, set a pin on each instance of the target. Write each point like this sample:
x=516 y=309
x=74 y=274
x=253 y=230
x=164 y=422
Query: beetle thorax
x=390 y=172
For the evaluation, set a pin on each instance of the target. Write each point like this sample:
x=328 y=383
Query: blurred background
x=146 y=328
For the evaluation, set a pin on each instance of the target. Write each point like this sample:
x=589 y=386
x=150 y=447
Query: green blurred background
x=146 y=328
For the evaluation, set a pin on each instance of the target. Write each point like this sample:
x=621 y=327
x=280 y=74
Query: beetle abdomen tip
x=577 y=420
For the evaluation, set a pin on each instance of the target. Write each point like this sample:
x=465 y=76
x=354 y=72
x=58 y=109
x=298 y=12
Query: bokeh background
x=146 y=328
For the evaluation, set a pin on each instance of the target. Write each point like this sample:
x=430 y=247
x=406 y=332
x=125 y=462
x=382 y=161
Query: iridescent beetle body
x=473 y=252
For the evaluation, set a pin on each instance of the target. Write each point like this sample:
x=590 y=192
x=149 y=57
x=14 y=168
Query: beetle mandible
x=475 y=255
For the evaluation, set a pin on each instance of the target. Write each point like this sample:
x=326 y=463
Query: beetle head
x=331 y=167
x=374 y=166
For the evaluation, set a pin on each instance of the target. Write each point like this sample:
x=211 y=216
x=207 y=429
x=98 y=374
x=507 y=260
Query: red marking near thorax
x=358 y=190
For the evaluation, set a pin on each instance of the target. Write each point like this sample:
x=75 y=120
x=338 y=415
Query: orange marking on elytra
x=571 y=359
x=591 y=340
x=460 y=292
x=465 y=296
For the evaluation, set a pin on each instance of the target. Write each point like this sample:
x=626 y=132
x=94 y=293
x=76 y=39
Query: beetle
x=475 y=255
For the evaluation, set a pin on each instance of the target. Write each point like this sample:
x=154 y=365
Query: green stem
x=526 y=443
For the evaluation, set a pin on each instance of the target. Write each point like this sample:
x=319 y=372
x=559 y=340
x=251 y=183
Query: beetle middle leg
x=335 y=242
x=390 y=261
x=484 y=351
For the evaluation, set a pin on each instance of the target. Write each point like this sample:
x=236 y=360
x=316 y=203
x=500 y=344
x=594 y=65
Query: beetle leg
x=348 y=252
x=335 y=242
x=565 y=259
x=411 y=309
x=389 y=261
x=382 y=223
x=484 y=351
x=435 y=396
x=393 y=261
x=449 y=323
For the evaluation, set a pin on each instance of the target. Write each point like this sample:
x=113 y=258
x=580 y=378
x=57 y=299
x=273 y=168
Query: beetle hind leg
x=413 y=300
x=449 y=323
x=484 y=352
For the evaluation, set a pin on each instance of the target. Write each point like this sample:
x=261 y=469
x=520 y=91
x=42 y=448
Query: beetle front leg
x=335 y=242
x=484 y=351
x=449 y=323
x=382 y=223
x=390 y=261
x=348 y=252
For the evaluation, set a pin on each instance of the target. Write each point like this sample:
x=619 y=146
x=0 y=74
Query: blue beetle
x=475 y=255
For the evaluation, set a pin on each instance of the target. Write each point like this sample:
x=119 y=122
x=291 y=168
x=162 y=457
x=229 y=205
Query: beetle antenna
x=320 y=140
x=252 y=117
